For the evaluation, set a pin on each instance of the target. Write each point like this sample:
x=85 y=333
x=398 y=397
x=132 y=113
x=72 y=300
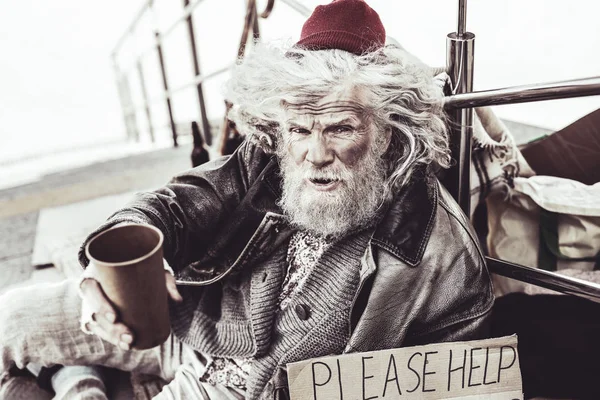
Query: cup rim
x=161 y=238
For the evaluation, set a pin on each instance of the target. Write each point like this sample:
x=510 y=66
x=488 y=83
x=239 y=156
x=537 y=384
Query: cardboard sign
x=481 y=369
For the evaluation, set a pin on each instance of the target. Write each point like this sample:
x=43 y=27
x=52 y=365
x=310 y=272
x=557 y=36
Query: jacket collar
x=406 y=226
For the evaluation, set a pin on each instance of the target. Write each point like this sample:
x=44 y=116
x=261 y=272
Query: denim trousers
x=40 y=324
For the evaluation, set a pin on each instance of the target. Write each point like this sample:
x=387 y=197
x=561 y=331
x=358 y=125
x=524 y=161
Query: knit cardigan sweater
x=273 y=337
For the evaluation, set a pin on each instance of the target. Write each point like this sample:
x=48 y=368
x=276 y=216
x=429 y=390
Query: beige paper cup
x=129 y=263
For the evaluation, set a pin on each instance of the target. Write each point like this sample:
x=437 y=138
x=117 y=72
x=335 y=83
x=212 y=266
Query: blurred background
x=73 y=74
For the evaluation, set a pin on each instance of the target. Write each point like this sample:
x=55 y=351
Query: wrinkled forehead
x=347 y=103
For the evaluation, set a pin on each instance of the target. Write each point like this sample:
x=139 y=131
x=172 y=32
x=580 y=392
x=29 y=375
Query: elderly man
x=326 y=232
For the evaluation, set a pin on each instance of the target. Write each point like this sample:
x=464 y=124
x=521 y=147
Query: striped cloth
x=496 y=160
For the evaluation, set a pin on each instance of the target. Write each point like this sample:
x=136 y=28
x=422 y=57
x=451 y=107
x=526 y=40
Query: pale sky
x=57 y=87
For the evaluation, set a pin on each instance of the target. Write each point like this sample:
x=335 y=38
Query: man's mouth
x=324 y=184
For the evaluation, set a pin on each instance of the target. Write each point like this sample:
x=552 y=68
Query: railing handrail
x=144 y=7
x=187 y=11
x=545 y=279
x=159 y=36
x=526 y=93
x=299 y=7
x=169 y=94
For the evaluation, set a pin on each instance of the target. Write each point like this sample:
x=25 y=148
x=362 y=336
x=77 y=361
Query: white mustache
x=328 y=176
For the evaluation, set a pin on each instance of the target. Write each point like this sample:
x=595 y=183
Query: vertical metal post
x=117 y=73
x=462 y=17
x=459 y=65
x=124 y=93
x=255 y=27
x=248 y=24
x=205 y=124
x=166 y=87
x=145 y=95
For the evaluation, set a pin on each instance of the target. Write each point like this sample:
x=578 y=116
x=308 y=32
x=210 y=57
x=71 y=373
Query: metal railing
x=129 y=110
x=523 y=94
x=459 y=104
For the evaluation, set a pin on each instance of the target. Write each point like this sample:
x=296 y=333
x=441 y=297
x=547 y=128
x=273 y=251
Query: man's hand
x=99 y=317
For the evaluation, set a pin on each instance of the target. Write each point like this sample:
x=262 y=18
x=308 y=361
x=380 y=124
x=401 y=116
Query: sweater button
x=302 y=311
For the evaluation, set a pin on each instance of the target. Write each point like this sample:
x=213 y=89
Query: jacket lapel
x=405 y=229
x=233 y=242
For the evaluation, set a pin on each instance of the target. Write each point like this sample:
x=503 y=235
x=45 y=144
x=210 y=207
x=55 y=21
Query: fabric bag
x=545 y=222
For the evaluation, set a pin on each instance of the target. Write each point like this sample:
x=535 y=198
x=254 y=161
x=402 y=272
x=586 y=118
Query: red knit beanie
x=349 y=25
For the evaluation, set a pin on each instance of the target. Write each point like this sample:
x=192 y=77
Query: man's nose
x=319 y=153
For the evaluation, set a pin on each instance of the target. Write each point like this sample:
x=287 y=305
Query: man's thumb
x=172 y=288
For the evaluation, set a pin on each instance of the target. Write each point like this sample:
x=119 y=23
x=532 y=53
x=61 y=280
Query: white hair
x=401 y=91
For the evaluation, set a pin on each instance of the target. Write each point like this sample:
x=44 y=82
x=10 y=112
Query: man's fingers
x=172 y=288
x=116 y=333
x=97 y=302
x=101 y=317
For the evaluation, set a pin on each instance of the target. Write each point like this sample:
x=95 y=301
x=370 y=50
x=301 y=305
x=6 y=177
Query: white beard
x=354 y=204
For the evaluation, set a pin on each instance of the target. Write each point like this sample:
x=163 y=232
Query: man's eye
x=342 y=129
x=300 y=131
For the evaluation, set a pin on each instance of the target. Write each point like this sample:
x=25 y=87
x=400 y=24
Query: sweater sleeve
x=190 y=208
